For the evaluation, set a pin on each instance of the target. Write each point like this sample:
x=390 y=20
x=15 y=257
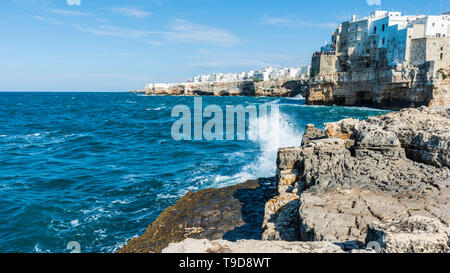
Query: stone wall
x=438 y=50
x=418 y=51
x=323 y=64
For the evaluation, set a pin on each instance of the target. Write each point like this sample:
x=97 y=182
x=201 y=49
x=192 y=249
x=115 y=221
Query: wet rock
x=230 y=213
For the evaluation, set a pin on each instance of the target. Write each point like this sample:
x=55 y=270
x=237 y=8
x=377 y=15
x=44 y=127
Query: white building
x=390 y=30
x=435 y=26
x=267 y=74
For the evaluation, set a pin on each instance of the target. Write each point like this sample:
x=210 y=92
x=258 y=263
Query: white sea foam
x=37 y=249
x=155 y=109
x=298 y=97
x=120 y=202
x=282 y=133
x=75 y=223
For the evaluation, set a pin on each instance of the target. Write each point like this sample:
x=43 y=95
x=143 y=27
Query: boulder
x=230 y=213
x=281 y=219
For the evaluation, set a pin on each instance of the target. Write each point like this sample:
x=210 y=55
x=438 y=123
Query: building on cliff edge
x=386 y=60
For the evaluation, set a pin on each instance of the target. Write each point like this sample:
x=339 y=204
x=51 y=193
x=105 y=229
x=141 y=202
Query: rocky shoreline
x=382 y=181
x=273 y=88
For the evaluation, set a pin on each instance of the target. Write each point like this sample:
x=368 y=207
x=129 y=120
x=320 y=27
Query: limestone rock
x=423 y=132
x=250 y=246
x=281 y=219
x=343 y=216
x=416 y=234
x=312 y=133
x=273 y=88
x=347 y=184
x=230 y=213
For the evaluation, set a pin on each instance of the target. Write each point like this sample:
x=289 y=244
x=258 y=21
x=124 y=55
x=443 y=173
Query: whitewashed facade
x=266 y=74
x=390 y=30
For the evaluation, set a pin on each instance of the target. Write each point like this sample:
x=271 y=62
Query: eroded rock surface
x=355 y=173
x=272 y=88
x=385 y=180
x=416 y=234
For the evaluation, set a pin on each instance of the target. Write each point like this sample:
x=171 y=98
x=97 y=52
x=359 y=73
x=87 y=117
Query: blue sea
x=98 y=168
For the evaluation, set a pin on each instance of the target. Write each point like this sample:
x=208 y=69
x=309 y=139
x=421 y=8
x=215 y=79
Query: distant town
x=385 y=59
x=266 y=74
x=395 y=35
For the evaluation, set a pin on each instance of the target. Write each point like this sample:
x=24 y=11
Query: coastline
x=233 y=212
x=365 y=177
x=274 y=88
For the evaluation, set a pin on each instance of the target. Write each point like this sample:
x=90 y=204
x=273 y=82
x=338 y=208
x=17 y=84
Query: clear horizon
x=118 y=46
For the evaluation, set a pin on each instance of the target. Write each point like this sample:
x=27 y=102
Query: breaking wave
x=280 y=132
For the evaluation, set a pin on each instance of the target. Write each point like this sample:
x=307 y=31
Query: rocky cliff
x=382 y=182
x=276 y=88
x=356 y=174
x=387 y=87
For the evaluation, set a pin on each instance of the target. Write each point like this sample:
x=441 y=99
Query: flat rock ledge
x=250 y=246
x=379 y=185
x=230 y=213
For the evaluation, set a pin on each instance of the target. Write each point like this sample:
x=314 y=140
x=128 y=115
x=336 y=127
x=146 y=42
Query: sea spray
x=271 y=134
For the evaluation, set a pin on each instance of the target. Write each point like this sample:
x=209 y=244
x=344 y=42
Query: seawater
x=97 y=168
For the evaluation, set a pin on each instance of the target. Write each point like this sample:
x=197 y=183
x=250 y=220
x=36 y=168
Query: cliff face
x=279 y=88
x=391 y=88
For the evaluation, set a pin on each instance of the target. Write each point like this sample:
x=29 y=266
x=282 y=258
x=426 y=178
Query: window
x=442 y=56
x=433 y=24
x=375 y=30
x=438 y=35
x=384 y=40
x=384 y=27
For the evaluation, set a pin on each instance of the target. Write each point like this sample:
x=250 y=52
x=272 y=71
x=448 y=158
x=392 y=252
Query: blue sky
x=118 y=45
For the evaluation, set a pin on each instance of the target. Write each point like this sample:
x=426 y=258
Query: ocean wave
x=298 y=97
x=117 y=165
x=280 y=133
